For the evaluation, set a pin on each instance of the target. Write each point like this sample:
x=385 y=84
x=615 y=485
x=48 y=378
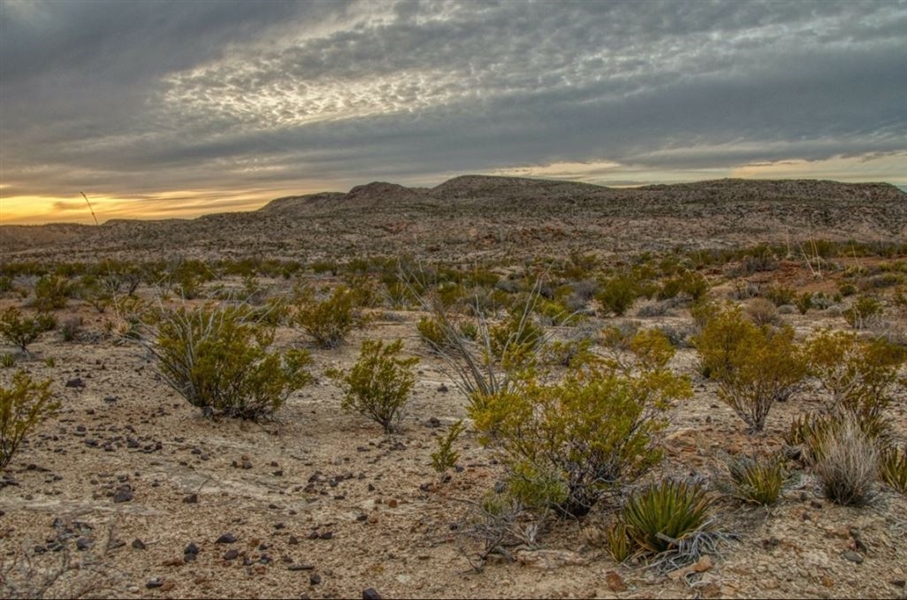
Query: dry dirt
x=323 y=504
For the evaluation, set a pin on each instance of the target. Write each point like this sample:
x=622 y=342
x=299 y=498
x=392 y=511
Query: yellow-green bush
x=20 y=331
x=754 y=366
x=663 y=514
x=218 y=359
x=379 y=384
x=328 y=321
x=23 y=407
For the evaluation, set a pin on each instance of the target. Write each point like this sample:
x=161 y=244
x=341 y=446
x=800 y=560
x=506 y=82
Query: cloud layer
x=245 y=101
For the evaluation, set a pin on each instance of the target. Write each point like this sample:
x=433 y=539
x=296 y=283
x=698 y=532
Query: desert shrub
x=379 y=384
x=860 y=375
x=619 y=543
x=661 y=515
x=53 y=292
x=583 y=436
x=811 y=431
x=780 y=294
x=893 y=468
x=445 y=457
x=432 y=335
x=6 y=284
x=689 y=283
x=743 y=290
x=217 y=358
x=863 y=312
x=804 y=302
x=20 y=331
x=849 y=464
x=762 y=312
x=757 y=480
x=329 y=321
x=7 y=360
x=23 y=406
x=754 y=366
x=70 y=328
x=821 y=301
x=618 y=294
x=568 y=353
x=516 y=335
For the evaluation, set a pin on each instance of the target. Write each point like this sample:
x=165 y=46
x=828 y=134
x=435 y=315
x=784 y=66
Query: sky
x=160 y=109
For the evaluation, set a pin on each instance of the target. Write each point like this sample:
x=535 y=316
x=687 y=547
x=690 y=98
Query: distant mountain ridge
x=485 y=215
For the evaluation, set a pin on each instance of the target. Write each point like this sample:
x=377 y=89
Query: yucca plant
x=893 y=468
x=661 y=515
x=620 y=545
x=757 y=480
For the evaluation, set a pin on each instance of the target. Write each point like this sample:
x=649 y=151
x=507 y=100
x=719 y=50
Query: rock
x=192 y=548
x=138 y=544
x=84 y=543
x=615 y=581
x=227 y=538
x=301 y=567
x=168 y=585
x=191 y=499
x=231 y=554
x=154 y=582
x=549 y=559
x=370 y=594
x=326 y=535
x=75 y=382
x=898 y=582
x=853 y=557
x=314 y=579
x=703 y=564
x=293 y=540
x=123 y=494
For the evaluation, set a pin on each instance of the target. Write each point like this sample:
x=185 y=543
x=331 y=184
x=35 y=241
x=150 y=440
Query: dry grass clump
x=849 y=464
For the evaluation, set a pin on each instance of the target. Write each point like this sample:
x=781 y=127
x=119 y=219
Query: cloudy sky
x=160 y=108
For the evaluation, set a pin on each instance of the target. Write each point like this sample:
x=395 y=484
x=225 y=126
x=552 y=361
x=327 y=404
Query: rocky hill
x=473 y=215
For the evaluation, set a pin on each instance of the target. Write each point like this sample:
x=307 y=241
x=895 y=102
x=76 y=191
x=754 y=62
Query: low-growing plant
x=445 y=457
x=660 y=516
x=7 y=360
x=757 y=480
x=893 y=468
x=849 y=465
x=863 y=312
x=617 y=537
x=618 y=294
x=23 y=406
x=218 y=359
x=53 y=292
x=780 y=294
x=804 y=302
x=20 y=330
x=70 y=328
x=328 y=321
x=754 y=366
x=379 y=384
x=762 y=312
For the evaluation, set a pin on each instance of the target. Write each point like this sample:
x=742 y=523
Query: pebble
x=138 y=544
x=227 y=538
x=853 y=557
x=75 y=382
x=314 y=579
x=615 y=582
x=84 y=543
x=191 y=499
x=123 y=494
x=231 y=554
x=155 y=582
x=370 y=594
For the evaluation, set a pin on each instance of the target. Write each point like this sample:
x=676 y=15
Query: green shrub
x=780 y=294
x=754 y=366
x=53 y=292
x=762 y=312
x=445 y=457
x=581 y=437
x=861 y=375
x=804 y=302
x=7 y=360
x=618 y=294
x=23 y=407
x=20 y=330
x=863 y=312
x=849 y=465
x=433 y=335
x=757 y=480
x=893 y=468
x=329 y=321
x=661 y=515
x=688 y=283
x=217 y=358
x=379 y=384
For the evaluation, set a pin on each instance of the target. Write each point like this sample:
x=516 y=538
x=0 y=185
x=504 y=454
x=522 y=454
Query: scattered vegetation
x=660 y=516
x=20 y=330
x=23 y=406
x=757 y=480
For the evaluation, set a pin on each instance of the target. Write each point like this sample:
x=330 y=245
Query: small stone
x=326 y=535
x=898 y=582
x=75 y=382
x=615 y=581
x=191 y=499
x=227 y=538
x=138 y=544
x=853 y=557
x=815 y=504
x=301 y=567
x=231 y=554
x=155 y=582
x=370 y=594
x=804 y=496
x=314 y=579
x=703 y=564
x=84 y=543
x=293 y=540
x=168 y=585
x=123 y=494
x=192 y=548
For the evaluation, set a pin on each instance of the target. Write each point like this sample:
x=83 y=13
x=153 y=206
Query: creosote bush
x=20 y=331
x=445 y=457
x=218 y=359
x=23 y=407
x=328 y=321
x=863 y=312
x=566 y=445
x=379 y=384
x=754 y=366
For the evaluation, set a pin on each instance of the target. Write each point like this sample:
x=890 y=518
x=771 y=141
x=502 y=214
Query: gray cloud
x=152 y=97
